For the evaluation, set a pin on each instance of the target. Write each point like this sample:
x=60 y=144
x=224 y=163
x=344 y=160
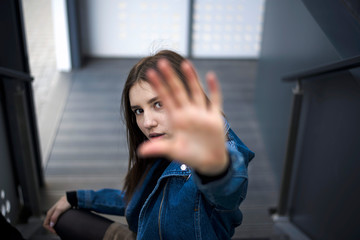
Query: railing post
x=290 y=150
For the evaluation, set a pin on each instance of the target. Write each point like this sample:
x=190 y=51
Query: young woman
x=187 y=169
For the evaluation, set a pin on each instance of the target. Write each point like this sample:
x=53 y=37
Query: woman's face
x=150 y=115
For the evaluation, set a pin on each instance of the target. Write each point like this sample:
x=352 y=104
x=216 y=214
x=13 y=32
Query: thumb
x=155 y=148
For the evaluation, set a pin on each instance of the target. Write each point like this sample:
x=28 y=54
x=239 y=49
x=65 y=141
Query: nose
x=149 y=120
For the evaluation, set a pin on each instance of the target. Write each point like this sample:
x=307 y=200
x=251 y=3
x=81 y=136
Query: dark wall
x=8 y=191
x=326 y=195
x=20 y=149
x=13 y=52
x=340 y=21
x=292 y=41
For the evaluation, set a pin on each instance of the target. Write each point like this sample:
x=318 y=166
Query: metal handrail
x=12 y=74
x=325 y=69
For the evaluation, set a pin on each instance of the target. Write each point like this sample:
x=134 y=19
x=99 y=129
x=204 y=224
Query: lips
x=155 y=135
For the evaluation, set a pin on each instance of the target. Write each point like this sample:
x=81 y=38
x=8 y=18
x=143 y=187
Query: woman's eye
x=138 y=111
x=158 y=105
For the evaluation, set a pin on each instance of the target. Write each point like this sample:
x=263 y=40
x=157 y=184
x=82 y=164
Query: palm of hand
x=198 y=138
x=197 y=128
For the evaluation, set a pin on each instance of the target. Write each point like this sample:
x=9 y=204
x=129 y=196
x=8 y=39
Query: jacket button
x=183 y=167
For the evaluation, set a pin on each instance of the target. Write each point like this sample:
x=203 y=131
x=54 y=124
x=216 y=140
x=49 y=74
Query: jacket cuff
x=229 y=191
x=207 y=179
x=71 y=197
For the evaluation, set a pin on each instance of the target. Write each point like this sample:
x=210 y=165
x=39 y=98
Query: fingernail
x=51 y=224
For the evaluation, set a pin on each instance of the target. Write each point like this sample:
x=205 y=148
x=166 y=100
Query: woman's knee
x=81 y=224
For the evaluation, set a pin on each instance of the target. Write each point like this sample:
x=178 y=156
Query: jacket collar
x=176 y=169
x=226 y=125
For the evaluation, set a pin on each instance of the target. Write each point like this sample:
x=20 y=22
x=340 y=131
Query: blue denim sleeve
x=228 y=192
x=108 y=201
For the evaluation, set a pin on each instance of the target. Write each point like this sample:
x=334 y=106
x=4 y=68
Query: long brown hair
x=138 y=167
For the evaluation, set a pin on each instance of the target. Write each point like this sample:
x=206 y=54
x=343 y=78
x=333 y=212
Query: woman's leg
x=118 y=231
x=81 y=225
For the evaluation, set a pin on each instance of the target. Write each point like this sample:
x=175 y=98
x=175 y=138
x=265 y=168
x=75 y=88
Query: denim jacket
x=181 y=206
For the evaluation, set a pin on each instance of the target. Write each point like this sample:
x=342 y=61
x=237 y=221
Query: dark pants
x=82 y=224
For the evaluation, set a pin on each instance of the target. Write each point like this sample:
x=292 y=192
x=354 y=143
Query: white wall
x=227 y=28
x=61 y=35
x=134 y=28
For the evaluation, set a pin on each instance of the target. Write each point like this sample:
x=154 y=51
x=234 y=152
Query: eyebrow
x=154 y=99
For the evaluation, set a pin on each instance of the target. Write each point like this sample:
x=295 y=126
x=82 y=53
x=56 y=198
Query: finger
x=214 y=90
x=155 y=148
x=49 y=228
x=197 y=92
x=176 y=87
x=161 y=89
x=48 y=216
x=54 y=217
x=47 y=222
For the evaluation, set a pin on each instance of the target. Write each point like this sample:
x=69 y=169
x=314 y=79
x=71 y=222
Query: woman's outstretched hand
x=53 y=214
x=197 y=136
